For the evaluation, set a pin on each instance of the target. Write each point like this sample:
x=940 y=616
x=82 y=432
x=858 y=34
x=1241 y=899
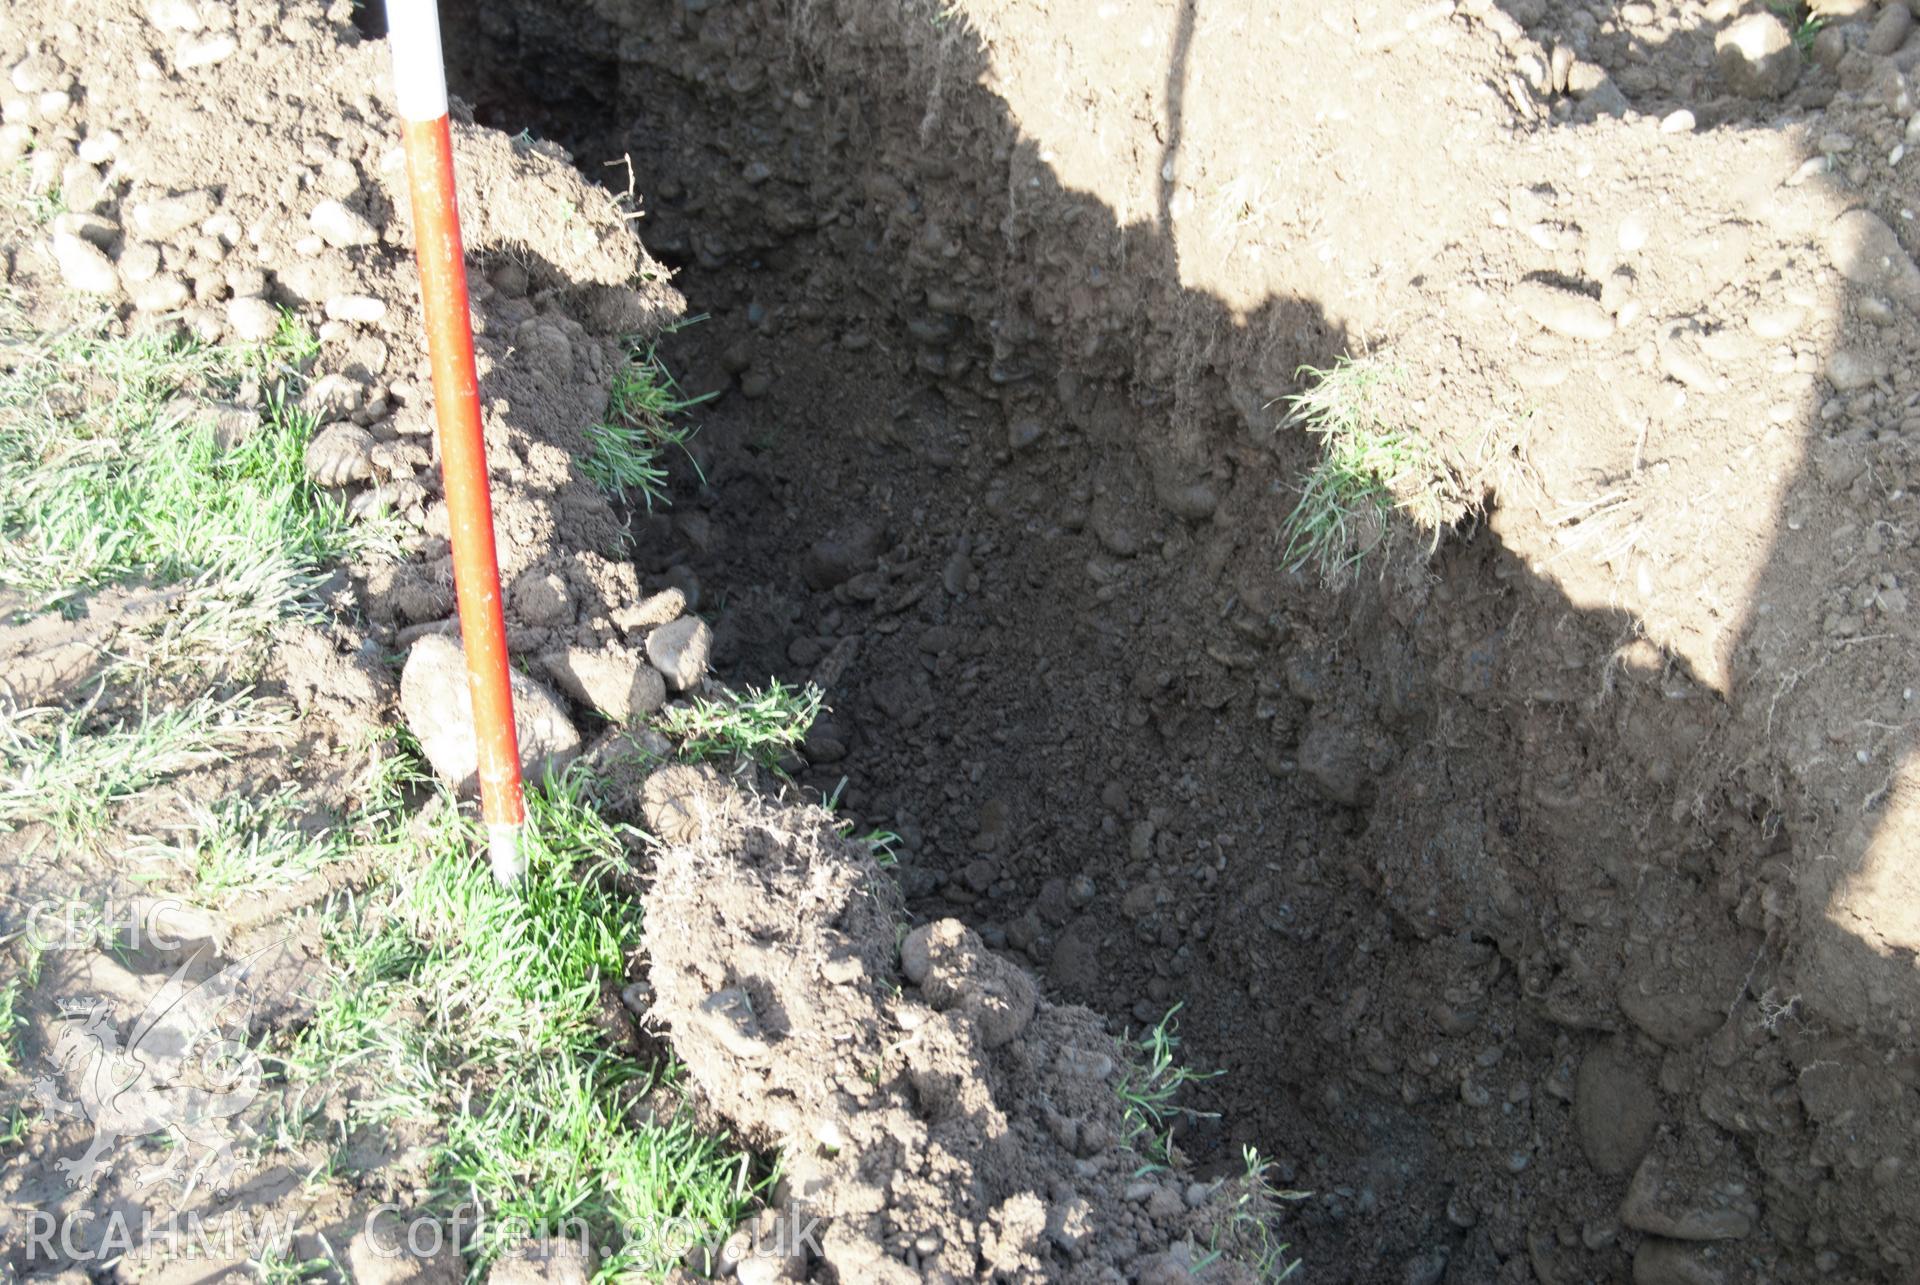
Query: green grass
x=1246 y=1235
x=760 y=725
x=11 y=1020
x=1369 y=471
x=1806 y=24
x=560 y=1149
x=44 y=207
x=251 y=848
x=63 y=769
x=276 y=1265
x=626 y=448
x=1148 y=1086
x=883 y=844
x=472 y=1008
x=112 y=470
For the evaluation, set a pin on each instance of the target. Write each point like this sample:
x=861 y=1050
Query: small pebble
x=1776 y=323
x=15 y=141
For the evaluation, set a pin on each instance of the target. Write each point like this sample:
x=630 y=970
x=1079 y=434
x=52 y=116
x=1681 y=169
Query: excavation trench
x=971 y=430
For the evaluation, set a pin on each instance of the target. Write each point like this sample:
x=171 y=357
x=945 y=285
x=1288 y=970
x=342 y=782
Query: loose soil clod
x=953 y=1124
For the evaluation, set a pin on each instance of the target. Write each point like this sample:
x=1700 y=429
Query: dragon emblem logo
x=185 y=1070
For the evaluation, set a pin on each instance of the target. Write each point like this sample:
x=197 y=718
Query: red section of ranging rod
x=415 y=36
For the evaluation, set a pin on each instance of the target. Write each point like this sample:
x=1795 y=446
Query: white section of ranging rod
x=503 y=853
x=419 y=71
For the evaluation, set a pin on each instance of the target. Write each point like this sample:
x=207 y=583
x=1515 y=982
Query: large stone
x=438 y=710
x=83 y=266
x=358 y=309
x=1868 y=253
x=679 y=650
x=1671 y=1262
x=168 y=217
x=164 y=293
x=541 y=597
x=339 y=454
x=1565 y=312
x=205 y=51
x=178 y=15
x=954 y=970
x=656 y=609
x=1615 y=1110
x=1756 y=56
x=1334 y=762
x=341 y=227
x=252 y=320
x=1890 y=29
x=1849 y=370
x=1694 y=1208
x=614 y=681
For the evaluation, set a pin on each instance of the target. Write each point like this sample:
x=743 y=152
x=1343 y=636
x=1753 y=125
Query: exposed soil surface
x=1547 y=899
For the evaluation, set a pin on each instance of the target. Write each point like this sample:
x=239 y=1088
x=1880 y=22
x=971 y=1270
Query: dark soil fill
x=1492 y=913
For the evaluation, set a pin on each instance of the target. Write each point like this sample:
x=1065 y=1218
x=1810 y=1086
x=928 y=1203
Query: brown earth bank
x=1545 y=899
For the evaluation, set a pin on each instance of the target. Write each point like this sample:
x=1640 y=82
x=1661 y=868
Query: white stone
x=438 y=709
x=84 y=266
x=173 y=15
x=253 y=321
x=204 y=52
x=338 y=226
x=361 y=309
x=679 y=650
x=98 y=149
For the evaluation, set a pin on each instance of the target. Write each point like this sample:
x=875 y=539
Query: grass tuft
x=1246 y=1235
x=11 y=1020
x=1147 y=1089
x=475 y=1010
x=626 y=447
x=250 y=848
x=1369 y=470
x=113 y=470
x=1805 y=23
x=759 y=725
x=56 y=768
